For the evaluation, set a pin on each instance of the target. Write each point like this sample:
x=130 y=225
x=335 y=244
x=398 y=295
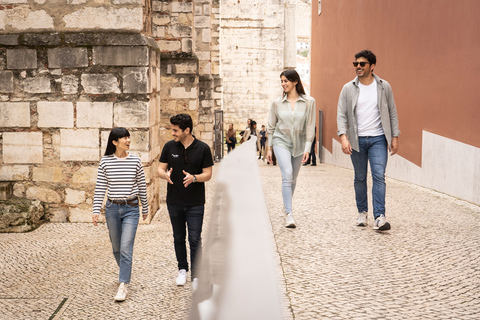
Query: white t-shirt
x=369 y=122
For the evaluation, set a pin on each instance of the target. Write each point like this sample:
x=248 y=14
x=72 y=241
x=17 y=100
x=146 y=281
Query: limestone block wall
x=74 y=15
x=303 y=18
x=187 y=33
x=60 y=95
x=252 y=58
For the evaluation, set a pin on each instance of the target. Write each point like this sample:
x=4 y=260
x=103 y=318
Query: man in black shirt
x=186 y=163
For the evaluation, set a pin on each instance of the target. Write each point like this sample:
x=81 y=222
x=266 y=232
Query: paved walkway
x=426 y=267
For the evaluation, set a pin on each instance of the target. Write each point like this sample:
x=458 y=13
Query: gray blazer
x=346 y=115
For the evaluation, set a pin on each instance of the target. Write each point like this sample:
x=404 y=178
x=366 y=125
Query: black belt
x=130 y=202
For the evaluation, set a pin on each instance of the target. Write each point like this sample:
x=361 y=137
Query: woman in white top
x=120 y=175
x=291 y=130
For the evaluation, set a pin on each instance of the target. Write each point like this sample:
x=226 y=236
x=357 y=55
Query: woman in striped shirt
x=120 y=175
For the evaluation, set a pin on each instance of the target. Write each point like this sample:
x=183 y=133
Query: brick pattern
x=187 y=33
x=20 y=16
x=61 y=94
x=63 y=85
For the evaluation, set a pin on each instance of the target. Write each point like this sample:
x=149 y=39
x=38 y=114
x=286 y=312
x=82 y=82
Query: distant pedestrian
x=120 y=175
x=368 y=127
x=274 y=159
x=252 y=131
x=263 y=140
x=291 y=130
x=249 y=122
x=231 y=136
x=247 y=127
x=186 y=163
x=313 y=157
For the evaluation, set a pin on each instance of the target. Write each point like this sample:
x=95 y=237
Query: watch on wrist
x=194 y=178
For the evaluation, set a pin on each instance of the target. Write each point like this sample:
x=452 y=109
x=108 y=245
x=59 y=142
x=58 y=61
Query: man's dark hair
x=367 y=54
x=182 y=120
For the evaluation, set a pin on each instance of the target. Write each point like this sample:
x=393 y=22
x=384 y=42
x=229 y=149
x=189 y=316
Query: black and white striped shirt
x=120 y=178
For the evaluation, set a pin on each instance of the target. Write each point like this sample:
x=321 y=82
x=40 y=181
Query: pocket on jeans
x=108 y=204
x=133 y=206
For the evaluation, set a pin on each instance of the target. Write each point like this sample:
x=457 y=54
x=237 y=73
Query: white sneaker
x=122 y=292
x=182 y=277
x=289 y=221
x=362 y=219
x=381 y=224
x=195 y=284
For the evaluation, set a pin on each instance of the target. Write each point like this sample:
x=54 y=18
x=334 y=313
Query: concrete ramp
x=238 y=274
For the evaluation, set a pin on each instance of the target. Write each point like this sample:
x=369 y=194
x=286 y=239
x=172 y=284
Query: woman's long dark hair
x=252 y=124
x=293 y=76
x=115 y=134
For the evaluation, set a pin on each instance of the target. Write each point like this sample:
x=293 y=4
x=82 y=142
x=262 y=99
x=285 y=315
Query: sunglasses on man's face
x=362 y=64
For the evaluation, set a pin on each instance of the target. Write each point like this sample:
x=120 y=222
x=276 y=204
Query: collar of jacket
x=379 y=81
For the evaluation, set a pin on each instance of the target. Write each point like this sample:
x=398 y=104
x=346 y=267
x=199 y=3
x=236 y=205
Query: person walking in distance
x=313 y=156
x=186 y=164
x=120 y=175
x=368 y=128
x=231 y=138
x=291 y=130
x=263 y=140
x=251 y=131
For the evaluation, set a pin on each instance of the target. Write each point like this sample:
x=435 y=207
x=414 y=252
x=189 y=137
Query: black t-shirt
x=196 y=157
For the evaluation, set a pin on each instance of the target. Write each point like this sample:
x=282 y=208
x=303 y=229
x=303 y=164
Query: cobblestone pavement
x=426 y=267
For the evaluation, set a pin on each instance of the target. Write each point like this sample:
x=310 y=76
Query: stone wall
x=60 y=95
x=187 y=33
x=258 y=42
x=252 y=58
x=303 y=14
x=74 y=15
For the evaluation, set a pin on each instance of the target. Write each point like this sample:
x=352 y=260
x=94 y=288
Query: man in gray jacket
x=368 y=127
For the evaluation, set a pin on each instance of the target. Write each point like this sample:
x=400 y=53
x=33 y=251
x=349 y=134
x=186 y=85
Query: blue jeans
x=122 y=222
x=230 y=146
x=290 y=167
x=375 y=150
x=192 y=217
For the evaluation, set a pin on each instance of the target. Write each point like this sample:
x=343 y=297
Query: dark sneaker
x=381 y=224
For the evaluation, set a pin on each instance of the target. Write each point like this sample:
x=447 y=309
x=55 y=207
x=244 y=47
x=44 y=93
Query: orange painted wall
x=428 y=50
